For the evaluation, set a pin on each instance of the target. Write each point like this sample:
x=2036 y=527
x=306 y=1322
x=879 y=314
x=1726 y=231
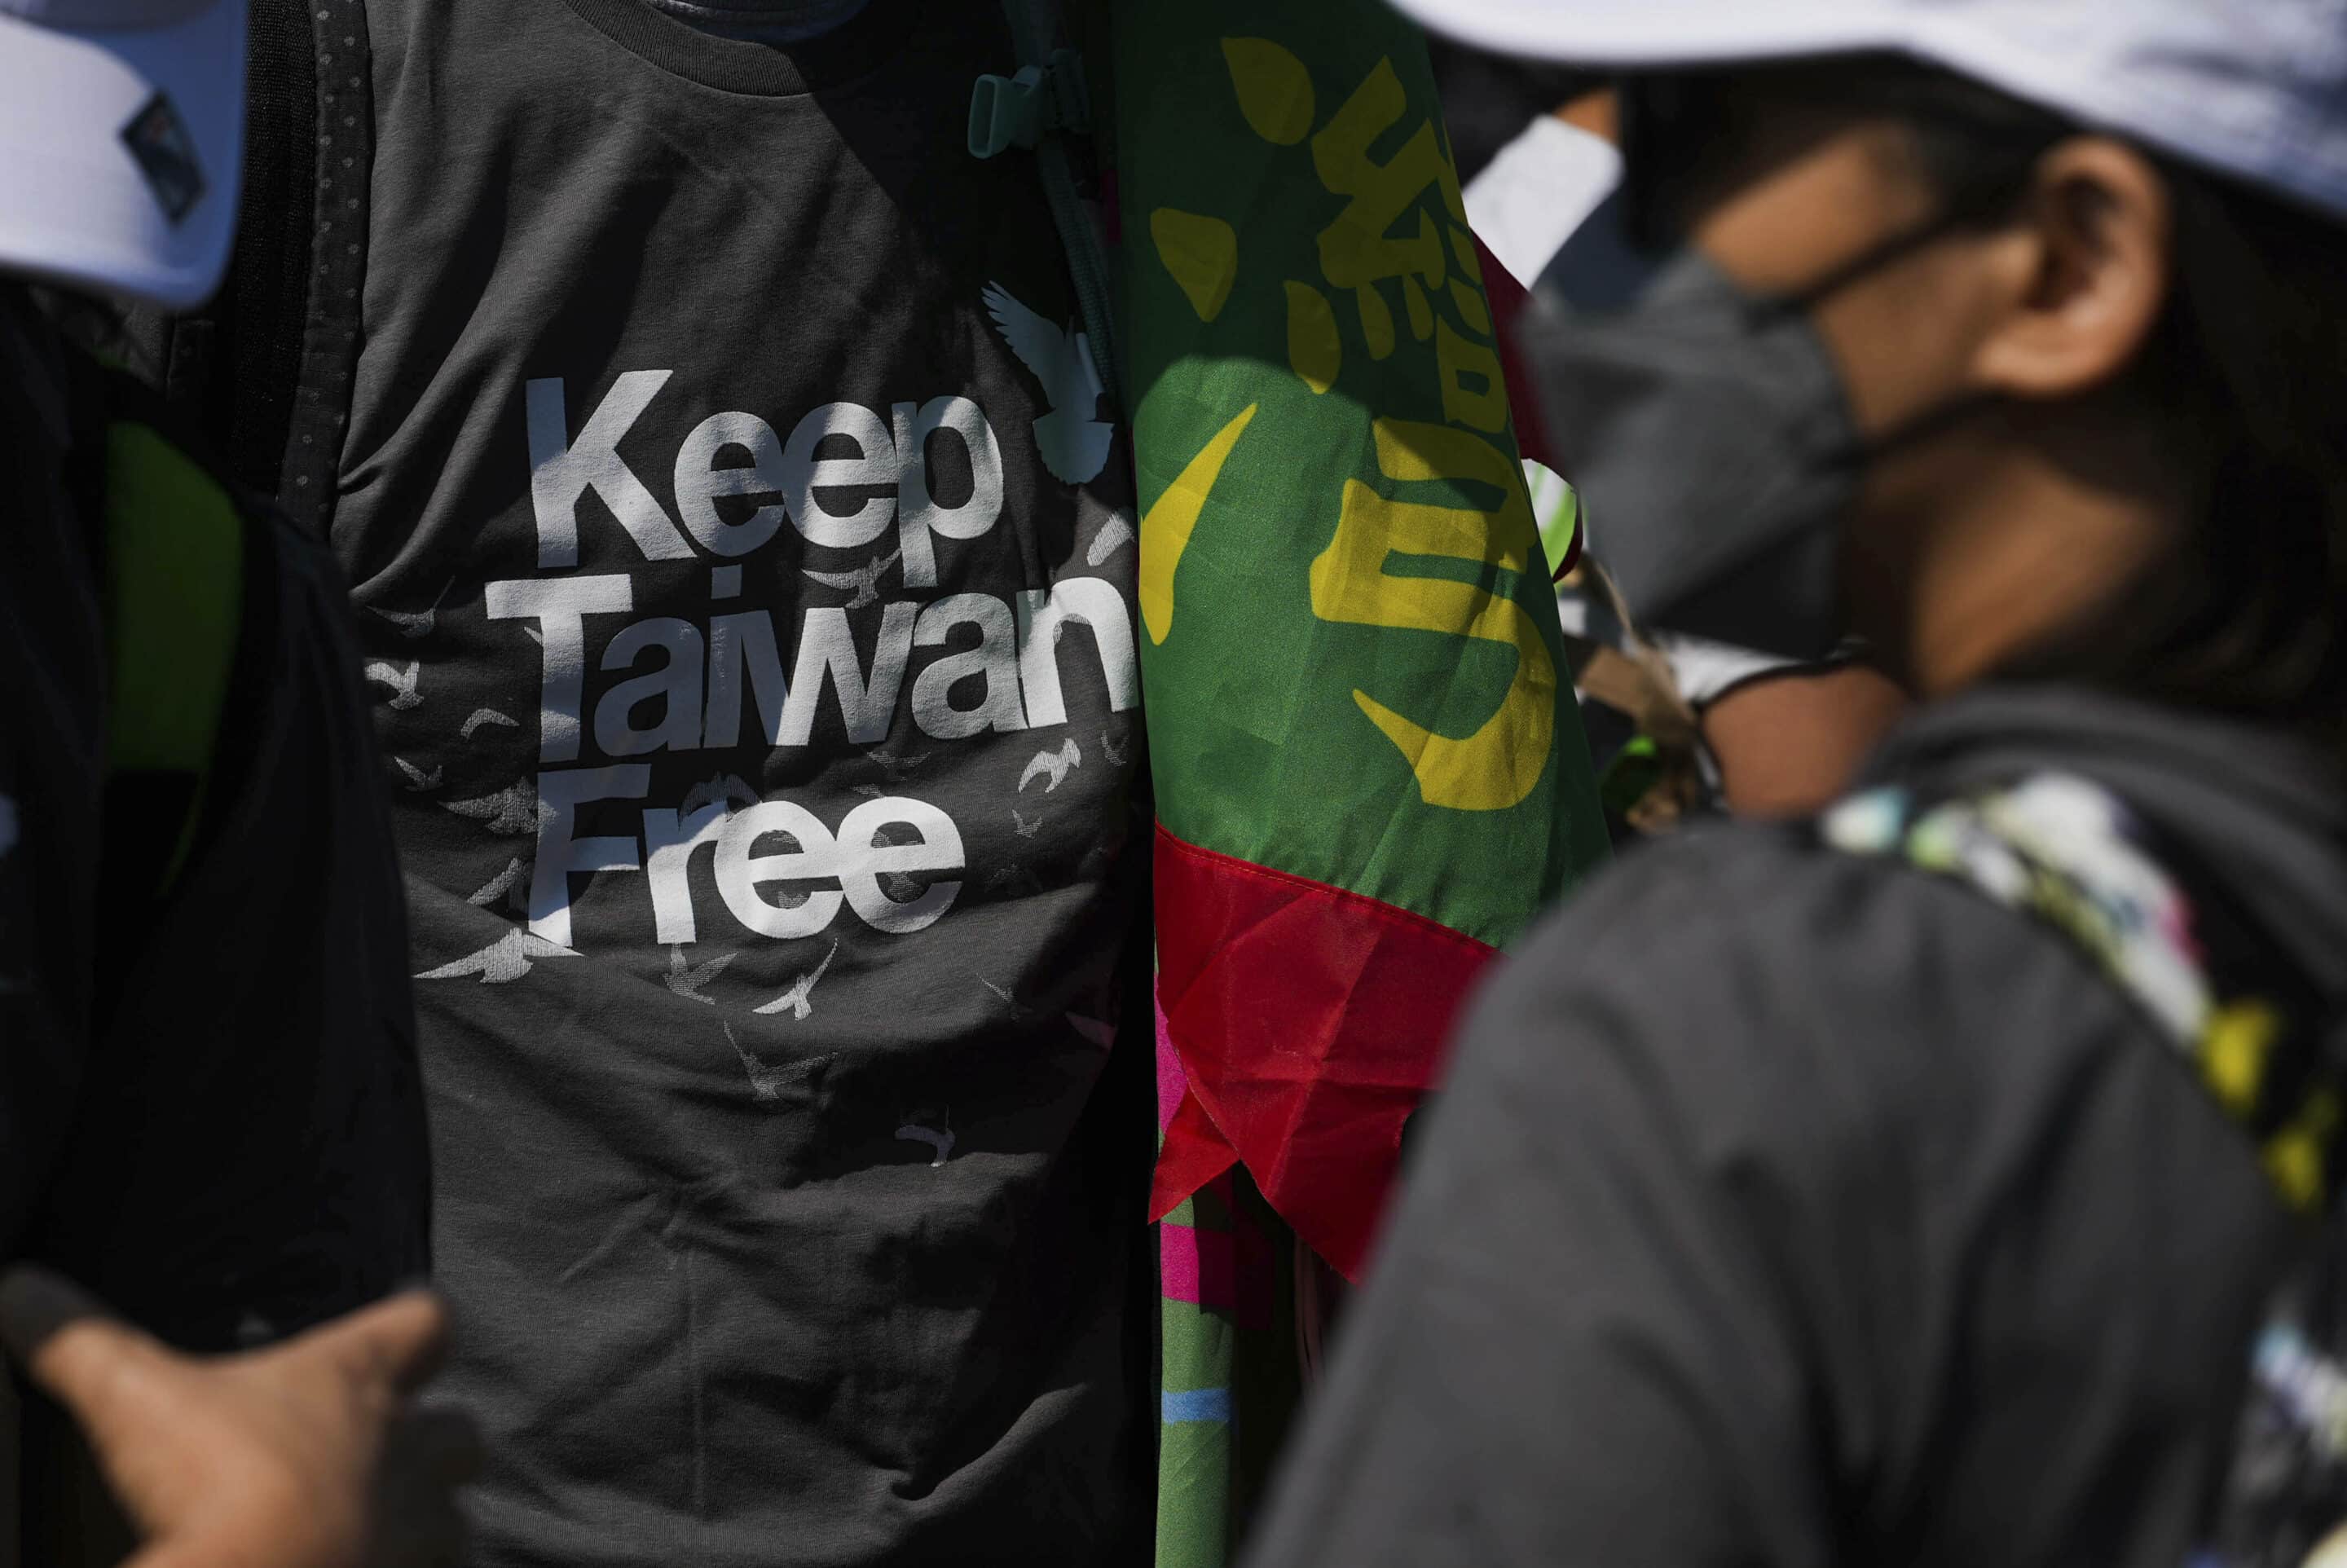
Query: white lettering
x=918 y=511
x=562 y=471
x=995 y=661
x=668 y=862
x=560 y=605
x=826 y=645
x=741 y=873
x=735 y=641
x=863 y=861
x=560 y=854
x=698 y=482
x=874 y=467
x=675 y=683
x=1087 y=601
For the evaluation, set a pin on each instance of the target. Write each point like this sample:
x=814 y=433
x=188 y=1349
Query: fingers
x=397 y=1342
x=83 y=1356
x=34 y=1302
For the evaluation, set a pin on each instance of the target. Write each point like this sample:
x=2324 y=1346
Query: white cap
x=121 y=133
x=2253 y=88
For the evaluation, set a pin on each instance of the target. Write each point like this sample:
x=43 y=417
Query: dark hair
x=2246 y=374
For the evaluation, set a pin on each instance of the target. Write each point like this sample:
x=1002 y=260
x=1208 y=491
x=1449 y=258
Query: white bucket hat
x=2253 y=88
x=121 y=131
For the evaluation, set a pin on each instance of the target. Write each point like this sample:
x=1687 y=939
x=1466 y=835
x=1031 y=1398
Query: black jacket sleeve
x=1786 y=1209
x=52 y=680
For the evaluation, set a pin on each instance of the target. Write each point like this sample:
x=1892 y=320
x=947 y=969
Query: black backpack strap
x=342 y=163
x=262 y=374
x=286 y=331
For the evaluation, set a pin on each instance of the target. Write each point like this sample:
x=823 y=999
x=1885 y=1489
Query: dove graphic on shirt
x=512 y=883
x=1113 y=751
x=1114 y=535
x=765 y=1082
x=417 y=779
x=728 y=790
x=512 y=811
x=481 y=716
x=505 y=959
x=1052 y=764
x=686 y=978
x=1025 y=829
x=896 y=766
x=1007 y=1000
x=939 y=1139
x=865 y=580
x=798 y=1001
x=401 y=679
x=415 y=623
x=1073 y=441
x=1020 y=878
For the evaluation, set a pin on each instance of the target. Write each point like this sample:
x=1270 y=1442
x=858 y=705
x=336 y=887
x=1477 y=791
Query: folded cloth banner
x=1369 y=772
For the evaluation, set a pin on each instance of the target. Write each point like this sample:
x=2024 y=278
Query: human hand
x=307 y=1454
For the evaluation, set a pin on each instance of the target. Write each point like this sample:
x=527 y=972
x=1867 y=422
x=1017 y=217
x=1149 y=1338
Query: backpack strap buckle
x=1021 y=110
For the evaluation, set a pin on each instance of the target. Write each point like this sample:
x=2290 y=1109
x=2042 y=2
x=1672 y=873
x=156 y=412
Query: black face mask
x=1708 y=434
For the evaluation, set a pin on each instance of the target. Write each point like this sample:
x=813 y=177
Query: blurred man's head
x=121 y=127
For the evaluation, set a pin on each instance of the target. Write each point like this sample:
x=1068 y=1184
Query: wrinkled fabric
x=1790 y=1207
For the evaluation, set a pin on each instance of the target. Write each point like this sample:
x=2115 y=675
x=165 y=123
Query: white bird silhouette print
x=417 y=779
x=728 y=790
x=1025 y=829
x=401 y=680
x=798 y=1001
x=485 y=716
x=896 y=766
x=415 y=623
x=1114 y=535
x=1018 y=877
x=1113 y=751
x=865 y=580
x=511 y=812
x=941 y=1142
x=1053 y=763
x=1075 y=444
x=507 y=958
x=765 y=1082
x=513 y=880
x=686 y=979
x=1007 y=998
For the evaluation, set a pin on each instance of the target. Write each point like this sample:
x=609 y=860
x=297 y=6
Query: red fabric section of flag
x=1192 y=1153
x=1309 y=1021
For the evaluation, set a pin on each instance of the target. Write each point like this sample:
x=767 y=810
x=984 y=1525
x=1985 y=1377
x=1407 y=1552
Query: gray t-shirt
x=746 y=563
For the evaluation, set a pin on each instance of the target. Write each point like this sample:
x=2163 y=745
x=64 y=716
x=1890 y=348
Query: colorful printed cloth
x=2071 y=854
x=1368 y=770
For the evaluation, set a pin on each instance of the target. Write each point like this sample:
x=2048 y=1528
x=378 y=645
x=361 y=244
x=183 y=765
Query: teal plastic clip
x=1021 y=110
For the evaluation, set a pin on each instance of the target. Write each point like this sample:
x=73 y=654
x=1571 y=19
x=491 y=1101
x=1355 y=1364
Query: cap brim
x=77 y=204
x=1656 y=33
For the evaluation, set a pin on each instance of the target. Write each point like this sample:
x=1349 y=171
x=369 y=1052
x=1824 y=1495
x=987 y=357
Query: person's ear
x=2084 y=272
